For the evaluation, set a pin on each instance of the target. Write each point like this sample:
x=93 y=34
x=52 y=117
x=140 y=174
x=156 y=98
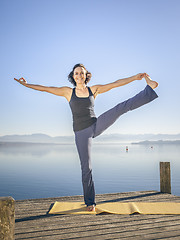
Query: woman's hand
x=140 y=76
x=21 y=81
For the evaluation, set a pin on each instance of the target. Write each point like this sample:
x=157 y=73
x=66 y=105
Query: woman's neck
x=81 y=86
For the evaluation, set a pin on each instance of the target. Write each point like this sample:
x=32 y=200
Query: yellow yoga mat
x=117 y=208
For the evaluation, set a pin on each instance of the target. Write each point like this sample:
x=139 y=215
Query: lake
x=52 y=170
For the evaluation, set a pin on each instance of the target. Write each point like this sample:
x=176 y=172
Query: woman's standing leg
x=108 y=118
x=83 y=140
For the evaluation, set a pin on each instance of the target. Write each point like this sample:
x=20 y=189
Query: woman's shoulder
x=94 y=90
x=66 y=92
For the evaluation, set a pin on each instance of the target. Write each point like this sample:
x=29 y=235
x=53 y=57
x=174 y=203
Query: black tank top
x=82 y=111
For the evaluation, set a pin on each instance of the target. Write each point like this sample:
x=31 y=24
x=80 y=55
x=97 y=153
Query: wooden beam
x=7 y=218
x=165 y=177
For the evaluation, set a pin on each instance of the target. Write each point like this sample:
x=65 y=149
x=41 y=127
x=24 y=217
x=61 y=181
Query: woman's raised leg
x=108 y=118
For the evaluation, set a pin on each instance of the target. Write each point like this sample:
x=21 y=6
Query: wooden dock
x=33 y=222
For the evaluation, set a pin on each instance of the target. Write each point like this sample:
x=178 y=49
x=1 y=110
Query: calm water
x=38 y=171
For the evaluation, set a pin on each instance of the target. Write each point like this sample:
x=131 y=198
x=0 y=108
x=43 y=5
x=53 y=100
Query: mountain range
x=44 y=138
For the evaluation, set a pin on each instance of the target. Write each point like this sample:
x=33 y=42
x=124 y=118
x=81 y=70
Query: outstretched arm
x=98 y=89
x=59 y=91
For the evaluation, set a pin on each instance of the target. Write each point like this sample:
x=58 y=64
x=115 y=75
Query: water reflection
x=49 y=170
x=33 y=149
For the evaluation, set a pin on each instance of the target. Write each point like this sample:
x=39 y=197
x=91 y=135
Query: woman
x=85 y=124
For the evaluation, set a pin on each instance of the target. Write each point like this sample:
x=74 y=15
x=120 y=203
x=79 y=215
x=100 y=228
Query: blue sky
x=41 y=40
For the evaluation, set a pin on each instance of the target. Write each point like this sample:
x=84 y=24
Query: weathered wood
x=33 y=222
x=7 y=218
x=165 y=177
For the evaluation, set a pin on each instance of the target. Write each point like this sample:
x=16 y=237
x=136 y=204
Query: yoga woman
x=85 y=124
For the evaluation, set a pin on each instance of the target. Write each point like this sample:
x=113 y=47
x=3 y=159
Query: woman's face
x=79 y=75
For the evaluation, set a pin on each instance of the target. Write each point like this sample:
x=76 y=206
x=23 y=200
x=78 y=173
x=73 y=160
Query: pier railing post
x=165 y=177
x=7 y=218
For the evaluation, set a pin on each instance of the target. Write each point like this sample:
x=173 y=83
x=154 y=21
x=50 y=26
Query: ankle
x=91 y=208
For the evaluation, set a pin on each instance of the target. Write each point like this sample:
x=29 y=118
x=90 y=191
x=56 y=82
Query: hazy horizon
x=105 y=138
x=104 y=134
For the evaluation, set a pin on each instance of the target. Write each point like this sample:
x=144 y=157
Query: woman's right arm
x=59 y=91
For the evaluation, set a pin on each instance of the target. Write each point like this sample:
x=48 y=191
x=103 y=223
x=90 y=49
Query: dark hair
x=70 y=76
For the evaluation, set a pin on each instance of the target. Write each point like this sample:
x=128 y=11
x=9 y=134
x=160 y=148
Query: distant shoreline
x=31 y=143
x=104 y=138
x=159 y=142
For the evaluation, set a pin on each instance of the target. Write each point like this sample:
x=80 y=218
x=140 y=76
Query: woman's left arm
x=98 y=89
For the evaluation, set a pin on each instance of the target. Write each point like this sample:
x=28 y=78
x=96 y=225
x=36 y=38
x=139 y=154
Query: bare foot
x=91 y=208
x=150 y=82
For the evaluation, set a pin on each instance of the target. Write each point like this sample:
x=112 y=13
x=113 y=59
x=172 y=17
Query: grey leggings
x=84 y=137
